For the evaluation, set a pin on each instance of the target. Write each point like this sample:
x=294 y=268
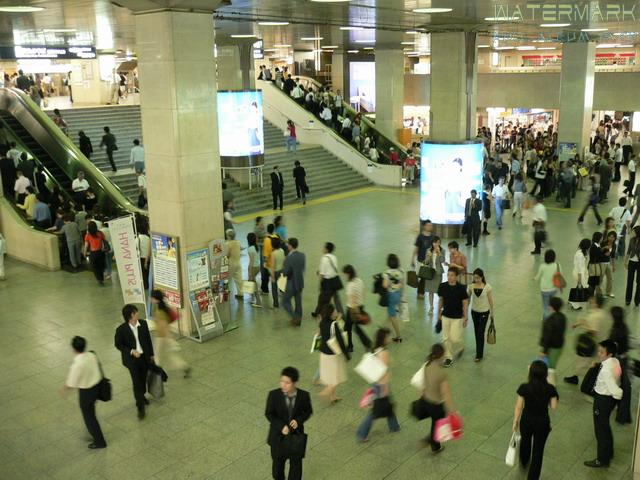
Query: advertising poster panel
x=240 y=129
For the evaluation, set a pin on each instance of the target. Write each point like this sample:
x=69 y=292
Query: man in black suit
x=287 y=409
x=472 y=209
x=300 y=175
x=134 y=342
x=277 y=187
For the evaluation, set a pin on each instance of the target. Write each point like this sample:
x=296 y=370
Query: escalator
x=56 y=153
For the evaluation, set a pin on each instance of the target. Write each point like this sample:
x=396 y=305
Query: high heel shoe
x=397 y=339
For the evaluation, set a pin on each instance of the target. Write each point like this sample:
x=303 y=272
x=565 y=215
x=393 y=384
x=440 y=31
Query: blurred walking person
x=167 y=355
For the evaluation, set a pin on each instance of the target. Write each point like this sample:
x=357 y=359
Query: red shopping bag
x=367 y=399
x=448 y=428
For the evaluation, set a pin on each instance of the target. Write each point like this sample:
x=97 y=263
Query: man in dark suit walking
x=288 y=408
x=293 y=269
x=472 y=209
x=277 y=187
x=134 y=342
x=300 y=177
x=109 y=141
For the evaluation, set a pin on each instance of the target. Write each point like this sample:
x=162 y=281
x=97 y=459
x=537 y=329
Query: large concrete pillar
x=389 y=91
x=576 y=93
x=247 y=66
x=228 y=67
x=453 y=86
x=177 y=74
x=337 y=72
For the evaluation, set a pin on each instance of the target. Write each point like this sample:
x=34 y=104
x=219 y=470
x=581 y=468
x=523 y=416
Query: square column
x=389 y=91
x=453 y=86
x=228 y=67
x=576 y=93
x=179 y=122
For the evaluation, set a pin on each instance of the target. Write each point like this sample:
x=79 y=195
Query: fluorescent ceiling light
x=483 y=46
x=269 y=49
x=594 y=29
x=329 y=47
x=503 y=48
x=432 y=10
x=243 y=36
x=316 y=51
x=623 y=34
x=330 y=1
x=365 y=41
x=407 y=43
x=21 y=9
x=282 y=46
x=546 y=48
x=368 y=48
x=268 y=24
x=352 y=28
x=526 y=47
x=311 y=38
x=497 y=19
x=624 y=46
x=59 y=30
x=412 y=32
x=607 y=45
x=353 y=51
x=412 y=53
x=554 y=25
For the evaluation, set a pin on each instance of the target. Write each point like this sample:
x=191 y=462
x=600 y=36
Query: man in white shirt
x=297 y=93
x=539 y=216
x=14 y=154
x=632 y=175
x=627 y=146
x=20 y=186
x=79 y=187
x=621 y=215
x=330 y=282
x=85 y=375
x=137 y=156
x=606 y=393
x=617 y=158
x=326 y=115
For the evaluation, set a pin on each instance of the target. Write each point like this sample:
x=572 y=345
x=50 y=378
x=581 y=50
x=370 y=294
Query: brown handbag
x=412 y=279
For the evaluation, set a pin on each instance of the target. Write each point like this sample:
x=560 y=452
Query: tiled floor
x=212 y=425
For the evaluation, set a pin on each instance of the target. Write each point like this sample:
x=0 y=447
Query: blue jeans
x=363 y=430
x=286 y=303
x=498 y=207
x=291 y=143
x=546 y=298
x=393 y=299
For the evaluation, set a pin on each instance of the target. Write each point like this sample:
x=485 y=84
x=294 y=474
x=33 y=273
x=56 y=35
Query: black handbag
x=333 y=284
x=465 y=228
x=426 y=272
x=412 y=279
x=589 y=381
x=438 y=327
x=293 y=445
x=578 y=295
x=505 y=203
x=419 y=409
x=585 y=345
x=104 y=387
x=382 y=408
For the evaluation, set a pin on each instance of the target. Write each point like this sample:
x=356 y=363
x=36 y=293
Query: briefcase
x=293 y=445
x=154 y=384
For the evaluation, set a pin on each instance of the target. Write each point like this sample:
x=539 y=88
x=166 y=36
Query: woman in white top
x=254 y=268
x=276 y=261
x=355 y=308
x=435 y=258
x=546 y=272
x=144 y=245
x=580 y=268
x=499 y=193
x=330 y=282
x=393 y=283
x=480 y=293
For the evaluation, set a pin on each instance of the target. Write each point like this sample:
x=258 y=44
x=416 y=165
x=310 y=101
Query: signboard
x=198 y=269
x=362 y=85
x=125 y=251
x=240 y=130
x=166 y=272
x=68 y=53
x=448 y=174
x=220 y=277
x=258 y=50
x=567 y=151
x=201 y=298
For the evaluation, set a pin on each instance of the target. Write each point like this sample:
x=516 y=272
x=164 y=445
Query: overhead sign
x=69 y=53
x=258 y=50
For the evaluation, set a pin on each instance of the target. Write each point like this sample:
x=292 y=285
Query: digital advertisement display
x=362 y=85
x=240 y=123
x=448 y=174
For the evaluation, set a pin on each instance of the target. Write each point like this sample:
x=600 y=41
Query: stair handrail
x=365 y=121
x=74 y=157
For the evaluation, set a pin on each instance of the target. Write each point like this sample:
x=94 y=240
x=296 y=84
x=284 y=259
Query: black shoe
x=535 y=252
x=596 y=464
x=314 y=314
x=94 y=446
x=475 y=245
x=146 y=401
x=573 y=380
x=141 y=413
x=467 y=244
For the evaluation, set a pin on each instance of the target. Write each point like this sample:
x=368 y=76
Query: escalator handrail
x=370 y=125
x=71 y=151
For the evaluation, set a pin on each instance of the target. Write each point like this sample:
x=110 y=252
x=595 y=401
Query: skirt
x=333 y=369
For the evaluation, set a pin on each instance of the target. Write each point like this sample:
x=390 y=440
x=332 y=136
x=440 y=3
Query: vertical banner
x=125 y=251
x=166 y=273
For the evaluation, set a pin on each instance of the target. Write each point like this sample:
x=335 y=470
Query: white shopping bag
x=282 y=282
x=371 y=368
x=405 y=316
x=512 y=451
x=417 y=381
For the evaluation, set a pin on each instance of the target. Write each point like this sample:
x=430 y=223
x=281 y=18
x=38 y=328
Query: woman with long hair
x=393 y=283
x=434 y=259
x=596 y=260
x=276 y=262
x=355 y=307
x=609 y=248
x=254 y=268
x=546 y=272
x=481 y=295
x=436 y=393
x=93 y=246
x=531 y=416
x=333 y=365
x=580 y=268
x=166 y=347
x=632 y=264
x=382 y=390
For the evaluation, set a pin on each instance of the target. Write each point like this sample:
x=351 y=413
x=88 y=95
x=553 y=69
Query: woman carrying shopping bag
x=166 y=350
x=531 y=416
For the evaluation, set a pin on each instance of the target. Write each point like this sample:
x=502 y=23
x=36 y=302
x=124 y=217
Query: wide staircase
x=125 y=123
x=326 y=174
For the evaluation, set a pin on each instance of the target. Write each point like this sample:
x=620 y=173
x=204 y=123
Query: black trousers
x=595 y=212
x=97 y=264
x=565 y=191
x=349 y=325
x=479 y=326
x=138 y=370
x=324 y=298
x=277 y=196
x=145 y=273
x=632 y=182
x=633 y=277
x=277 y=469
x=436 y=412
x=533 y=438
x=473 y=230
x=110 y=157
x=603 y=405
x=265 y=278
x=616 y=174
x=627 y=150
x=301 y=190
x=88 y=398
x=539 y=236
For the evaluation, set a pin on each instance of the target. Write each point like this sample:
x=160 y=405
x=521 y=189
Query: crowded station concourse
x=223 y=254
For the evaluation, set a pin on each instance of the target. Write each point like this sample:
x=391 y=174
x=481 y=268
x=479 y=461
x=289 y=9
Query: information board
x=203 y=306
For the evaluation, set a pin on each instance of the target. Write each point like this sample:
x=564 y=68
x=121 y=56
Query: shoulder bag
x=589 y=381
x=333 y=284
x=558 y=280
x=333 y=343
x=104 y=387
x=585 y=345
x=491 y=333
x=371 y=368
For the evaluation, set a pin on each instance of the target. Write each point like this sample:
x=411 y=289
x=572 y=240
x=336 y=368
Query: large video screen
x=240 y=130
x=448 y=174
x=362 y=85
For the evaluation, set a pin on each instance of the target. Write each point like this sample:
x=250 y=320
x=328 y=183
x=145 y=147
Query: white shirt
x=545 y=275
x=14 y=154
x=355 y=293
x=346 y=123
x=134 y=329
x=499 y=191
x=631 y=166
x=328 y=266
x=144 y=244
x=21 y=184
x=621 y=215
x=539 y=213
x=142 y=181
x=297 y=92
x=618 y=155
x=326 y=114
x=626 y=141
x=580 y=267
x=84 y=371
x=608 y=379
x=137 y=154
x=80 y=185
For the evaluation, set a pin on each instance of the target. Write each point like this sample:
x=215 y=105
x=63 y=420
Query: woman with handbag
x=333 y=353
x=382 y=406
x=393 y=284
x=355 y=315
x=481 y=295
x=166 y=347
x=531 y=416
x=330 y=283
x=595 y=266
x=580 y=274
x=254 y=268
x=432 y=269
x=545 y=276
